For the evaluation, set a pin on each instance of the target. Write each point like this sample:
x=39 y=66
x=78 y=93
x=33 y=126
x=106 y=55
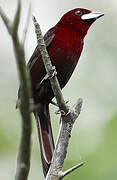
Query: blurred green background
x=94 y=136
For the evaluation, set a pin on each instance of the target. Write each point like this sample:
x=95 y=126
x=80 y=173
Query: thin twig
x=63 y=174
x=55 y=104
x=16 y=21
x=6 y=21
x=26 y=25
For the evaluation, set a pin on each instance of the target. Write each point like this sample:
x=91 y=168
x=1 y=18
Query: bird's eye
x=78 y=12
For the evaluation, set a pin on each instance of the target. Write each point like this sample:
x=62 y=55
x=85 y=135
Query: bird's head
x=79 y=19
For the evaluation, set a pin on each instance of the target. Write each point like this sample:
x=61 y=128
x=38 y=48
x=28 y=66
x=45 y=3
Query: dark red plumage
x=64 y=44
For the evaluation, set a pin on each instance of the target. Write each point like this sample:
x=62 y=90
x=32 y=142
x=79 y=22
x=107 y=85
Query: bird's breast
x=65 y=54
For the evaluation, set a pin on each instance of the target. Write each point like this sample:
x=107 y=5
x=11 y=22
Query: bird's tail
x=45 y=134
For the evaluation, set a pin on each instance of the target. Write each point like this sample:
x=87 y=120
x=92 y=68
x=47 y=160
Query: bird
x=64 y=43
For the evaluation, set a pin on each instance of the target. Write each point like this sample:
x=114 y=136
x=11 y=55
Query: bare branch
x=12 y=27
x=63 y=174
x=26 y=25
x=51 y=71
x=54 y=103
x=6 y=21
x=23 y=160
x=17 y=18
x=63 y=141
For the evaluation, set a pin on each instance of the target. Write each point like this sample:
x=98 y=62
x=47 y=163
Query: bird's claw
x=63 y=113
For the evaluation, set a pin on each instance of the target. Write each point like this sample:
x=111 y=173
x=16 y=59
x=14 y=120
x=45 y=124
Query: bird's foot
x=62 y=112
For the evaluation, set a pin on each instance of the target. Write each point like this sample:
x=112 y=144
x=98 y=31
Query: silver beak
x=92 y=15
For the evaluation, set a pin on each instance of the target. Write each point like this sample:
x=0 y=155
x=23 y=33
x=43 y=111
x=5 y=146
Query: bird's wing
x=48 y=38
